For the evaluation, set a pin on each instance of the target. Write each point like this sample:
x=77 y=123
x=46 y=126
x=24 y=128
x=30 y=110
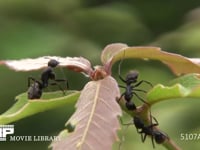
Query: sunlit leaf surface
x=78 y=64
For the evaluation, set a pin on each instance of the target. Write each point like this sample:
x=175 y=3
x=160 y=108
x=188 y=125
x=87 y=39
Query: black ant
x=156 y=135
x=131 y=88
x=35 y=89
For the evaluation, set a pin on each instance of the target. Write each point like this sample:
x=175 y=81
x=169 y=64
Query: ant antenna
x=63 y=74
x=119 y=67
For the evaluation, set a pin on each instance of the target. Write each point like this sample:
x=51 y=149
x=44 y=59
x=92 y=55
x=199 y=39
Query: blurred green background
x=31 y=28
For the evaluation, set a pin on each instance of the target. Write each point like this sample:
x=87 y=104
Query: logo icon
x=5 y=130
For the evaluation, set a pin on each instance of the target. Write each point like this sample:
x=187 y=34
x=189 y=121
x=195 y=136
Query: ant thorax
x=46 y=75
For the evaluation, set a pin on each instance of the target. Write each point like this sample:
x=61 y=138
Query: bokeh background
x=32 y=28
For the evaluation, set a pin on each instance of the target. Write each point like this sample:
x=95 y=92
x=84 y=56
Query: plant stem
x=143 y=112
x=171 y=145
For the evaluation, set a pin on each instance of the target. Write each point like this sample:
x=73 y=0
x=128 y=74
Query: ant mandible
x=131 y=88
x=35 y=89
x=156 y=135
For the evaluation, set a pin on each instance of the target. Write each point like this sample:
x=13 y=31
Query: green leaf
x=189 y=80
x=24 y=107
x=185 y=86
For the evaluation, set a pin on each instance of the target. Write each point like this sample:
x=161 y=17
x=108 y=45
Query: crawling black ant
x=131 y=88
x=35 y=89
x=145 y=130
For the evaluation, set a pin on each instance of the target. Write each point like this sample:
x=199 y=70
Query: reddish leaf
x=99 y=73
x=177 y=63
x=111 y=50
x=95 y=118
x=78 y=64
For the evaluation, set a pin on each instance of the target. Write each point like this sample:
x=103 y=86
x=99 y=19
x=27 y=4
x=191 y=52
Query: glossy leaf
x=189 y=80
x=177 y=63
x=24 y=107
x=96 y=114
x=186 y=86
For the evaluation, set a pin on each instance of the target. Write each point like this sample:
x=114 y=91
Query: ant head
x=160 y=137
x=53 y=63
x=132 y=76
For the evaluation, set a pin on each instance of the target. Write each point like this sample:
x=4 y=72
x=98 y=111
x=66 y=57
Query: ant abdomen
x=160 y=137
x=35 y=91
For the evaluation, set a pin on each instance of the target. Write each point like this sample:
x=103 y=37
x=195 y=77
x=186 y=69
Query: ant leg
x=60 y=80
x=121 y=97
x=143 y=137
x=152 y=140
x=138 y=131
x=139 y=90
x=151 y=119
x=149 y=109
x=122 y=79
x=63 y=80
x=155 y=124
x=140 y=98
x=55 y=83
x=67 y=84
x=125 y=124
x=147 y=82
x=143 y=81
x=29 y=80
x=152 y=125
x=151 y=130
x=121 y=86
x=66 y=81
